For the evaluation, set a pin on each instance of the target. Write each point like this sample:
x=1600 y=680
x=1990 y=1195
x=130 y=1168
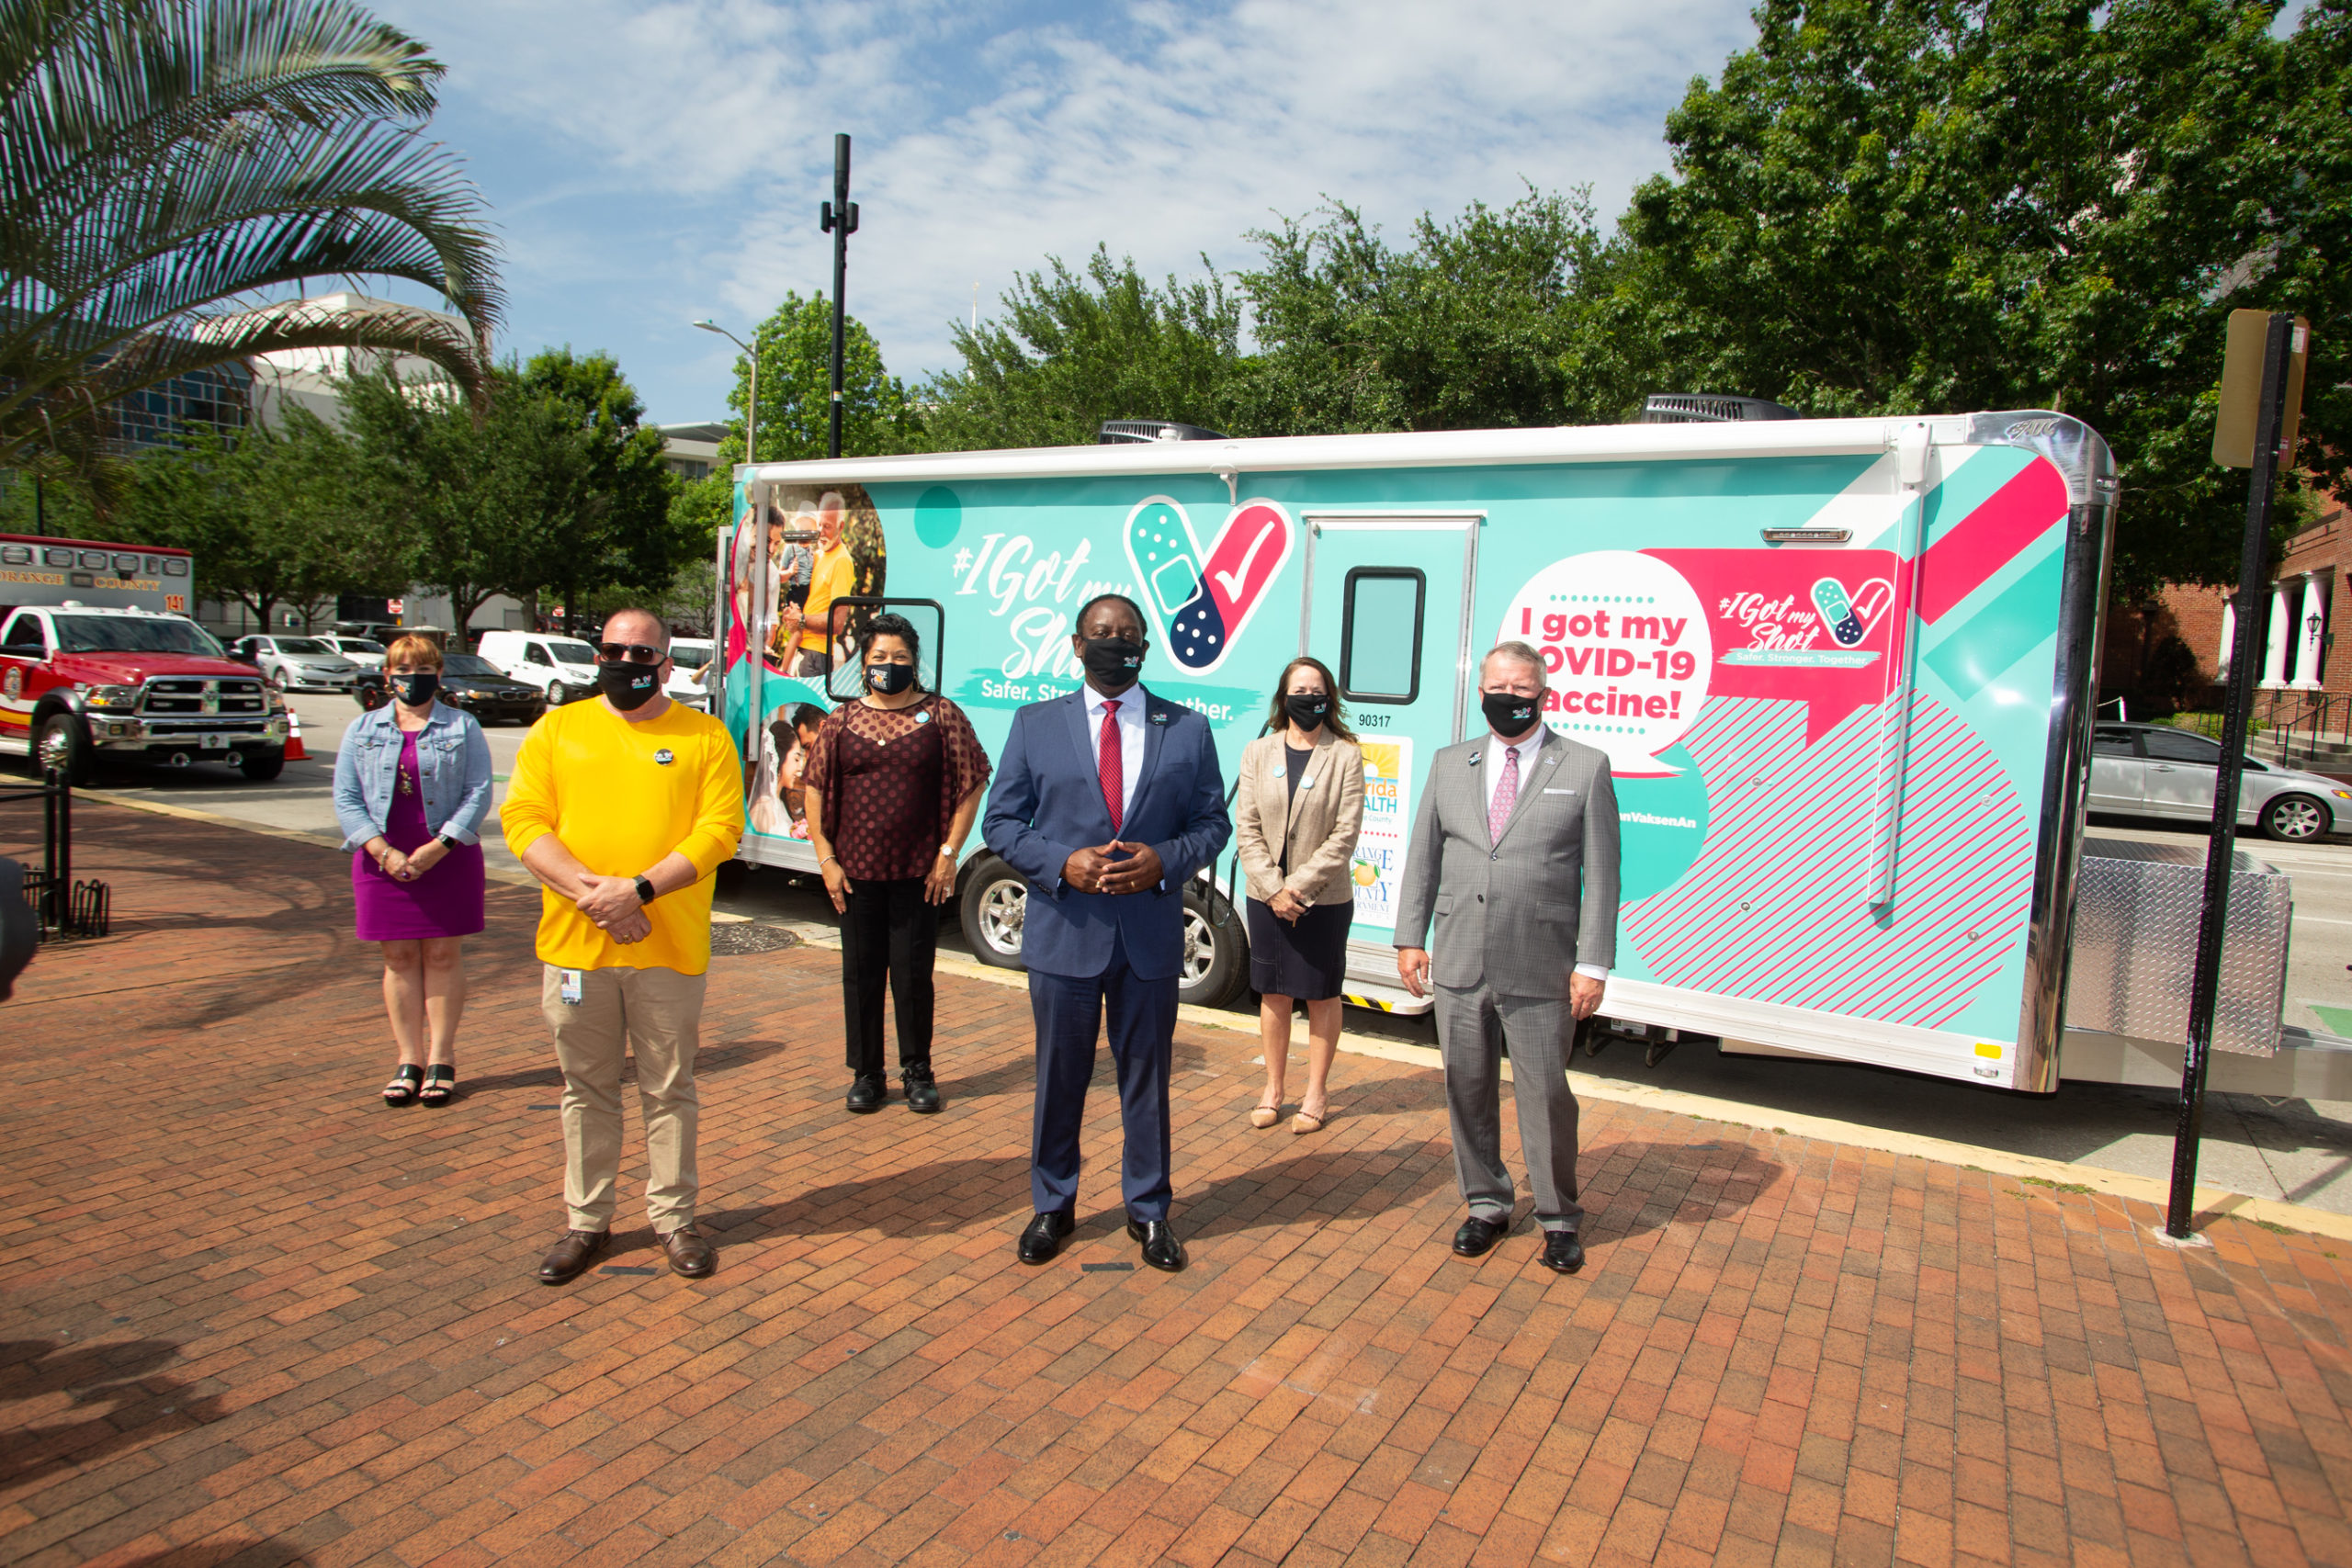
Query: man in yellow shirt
x=624 y=808
x=832 y=576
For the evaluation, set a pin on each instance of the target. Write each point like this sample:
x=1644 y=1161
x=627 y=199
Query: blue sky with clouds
x=651 y=162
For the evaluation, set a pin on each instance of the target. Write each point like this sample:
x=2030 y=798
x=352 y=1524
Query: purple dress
x=444 y=901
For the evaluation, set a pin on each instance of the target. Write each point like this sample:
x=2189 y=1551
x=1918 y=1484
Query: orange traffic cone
x=294 y=752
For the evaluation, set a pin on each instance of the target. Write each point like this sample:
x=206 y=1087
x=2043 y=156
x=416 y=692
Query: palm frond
x=162 y=161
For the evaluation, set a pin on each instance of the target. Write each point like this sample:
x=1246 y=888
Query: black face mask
x=889 y=679
x=1508 y=714
x=628 y=686
x=1307 y=709
x=416 y=690
x=1112 y=663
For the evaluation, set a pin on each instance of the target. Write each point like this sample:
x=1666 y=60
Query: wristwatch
x=947 y=850
x=644 y=891
x=447 y=843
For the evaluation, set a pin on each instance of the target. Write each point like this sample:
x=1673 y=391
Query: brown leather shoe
x=691 y=1257
x=573 y=1255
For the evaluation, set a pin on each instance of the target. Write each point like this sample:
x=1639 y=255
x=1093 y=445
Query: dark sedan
x=474 y=684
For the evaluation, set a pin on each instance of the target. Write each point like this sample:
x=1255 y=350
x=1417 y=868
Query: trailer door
x=1388 y=609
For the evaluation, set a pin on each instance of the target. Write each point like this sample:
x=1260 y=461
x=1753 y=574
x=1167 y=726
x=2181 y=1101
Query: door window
x=2108 y=742
x=534 y=654
x=1380 y=658
x=2177 y=745
x=24 y=638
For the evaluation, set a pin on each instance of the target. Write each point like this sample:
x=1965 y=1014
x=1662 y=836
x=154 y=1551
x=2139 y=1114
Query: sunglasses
x=630 y=653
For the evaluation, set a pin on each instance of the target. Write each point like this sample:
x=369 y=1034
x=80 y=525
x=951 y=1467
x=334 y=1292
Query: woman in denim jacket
x=411 y=790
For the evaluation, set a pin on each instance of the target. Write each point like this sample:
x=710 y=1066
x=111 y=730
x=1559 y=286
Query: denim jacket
x=452 y=765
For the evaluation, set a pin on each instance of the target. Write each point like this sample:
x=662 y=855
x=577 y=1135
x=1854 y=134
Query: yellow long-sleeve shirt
x=621 y=796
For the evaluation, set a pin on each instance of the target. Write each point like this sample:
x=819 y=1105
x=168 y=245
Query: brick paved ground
x=251 y=1316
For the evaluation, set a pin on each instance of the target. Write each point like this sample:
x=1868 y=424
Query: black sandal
x=402 y=1089
x=440 y=1085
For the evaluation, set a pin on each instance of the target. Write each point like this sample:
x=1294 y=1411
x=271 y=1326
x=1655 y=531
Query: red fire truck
x=100 y=658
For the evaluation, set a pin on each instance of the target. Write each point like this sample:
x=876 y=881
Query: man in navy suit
x=1108 y=800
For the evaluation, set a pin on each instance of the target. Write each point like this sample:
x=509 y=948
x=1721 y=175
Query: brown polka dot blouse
x=888 y=781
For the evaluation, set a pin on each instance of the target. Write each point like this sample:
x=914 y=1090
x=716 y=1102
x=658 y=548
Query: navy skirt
x=1306 y=961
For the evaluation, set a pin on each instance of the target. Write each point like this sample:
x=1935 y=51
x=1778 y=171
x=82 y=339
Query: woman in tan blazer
x=1295 y=816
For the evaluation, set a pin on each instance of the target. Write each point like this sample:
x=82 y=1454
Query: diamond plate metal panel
x=2135 y=945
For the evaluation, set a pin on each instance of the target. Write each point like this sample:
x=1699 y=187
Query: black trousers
x=888 y=932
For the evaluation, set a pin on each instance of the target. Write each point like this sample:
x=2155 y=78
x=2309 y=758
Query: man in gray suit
x=1514 y=852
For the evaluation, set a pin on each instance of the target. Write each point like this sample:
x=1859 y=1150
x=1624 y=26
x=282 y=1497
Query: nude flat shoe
x=1303 y=1122
x=1265 y=1116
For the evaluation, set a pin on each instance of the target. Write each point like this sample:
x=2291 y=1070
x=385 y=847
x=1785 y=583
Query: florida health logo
x=1203 y=600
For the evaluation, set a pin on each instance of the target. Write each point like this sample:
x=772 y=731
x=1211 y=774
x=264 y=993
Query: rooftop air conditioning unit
x=1685 y=408
x=1127 y=432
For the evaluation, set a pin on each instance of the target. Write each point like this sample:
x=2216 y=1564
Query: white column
x=2308 y=624
x=2229 y=639
x=2273 y=660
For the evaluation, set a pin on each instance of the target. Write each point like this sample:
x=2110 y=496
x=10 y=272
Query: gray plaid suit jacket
x=1515 y=915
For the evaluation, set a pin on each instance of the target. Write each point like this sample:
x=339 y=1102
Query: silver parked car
x=2152 y=769
x=295 y=662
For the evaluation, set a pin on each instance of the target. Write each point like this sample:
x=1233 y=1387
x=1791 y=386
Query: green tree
x=1478 y=324
x=164 y=161
x=622 y=530
x=558 y=486
x=270 y=515
x=1923 y=206
x=796 y=347
x=1076 y=349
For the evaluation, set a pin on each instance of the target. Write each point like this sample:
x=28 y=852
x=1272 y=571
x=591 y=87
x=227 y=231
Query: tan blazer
x=1318 y=826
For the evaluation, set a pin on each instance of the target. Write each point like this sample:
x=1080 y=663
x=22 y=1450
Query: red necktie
x=1114 y=766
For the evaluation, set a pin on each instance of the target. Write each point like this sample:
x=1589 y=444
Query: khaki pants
x=657 y=1014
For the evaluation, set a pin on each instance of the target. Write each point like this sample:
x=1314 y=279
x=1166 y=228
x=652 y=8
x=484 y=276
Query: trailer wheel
x=995 y=902
x=63 y=744
x=1216 y=954
x=2295 y=819
x=262 y=766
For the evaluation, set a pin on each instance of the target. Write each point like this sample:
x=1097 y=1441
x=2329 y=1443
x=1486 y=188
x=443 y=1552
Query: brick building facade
x=2300 y=674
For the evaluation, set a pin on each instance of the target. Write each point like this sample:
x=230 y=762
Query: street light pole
x=751 y=404
x=839 y=218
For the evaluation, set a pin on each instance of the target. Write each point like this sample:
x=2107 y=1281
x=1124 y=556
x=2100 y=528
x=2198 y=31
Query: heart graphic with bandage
x=1201 y=601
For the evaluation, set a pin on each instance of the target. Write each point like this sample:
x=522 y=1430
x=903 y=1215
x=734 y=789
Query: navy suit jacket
x=1047 y=802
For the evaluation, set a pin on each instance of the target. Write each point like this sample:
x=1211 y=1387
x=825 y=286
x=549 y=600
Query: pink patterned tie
x=1506 y=796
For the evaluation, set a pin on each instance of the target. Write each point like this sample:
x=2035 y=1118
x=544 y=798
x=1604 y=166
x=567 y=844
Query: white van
x=563 y=666
x=690 y=660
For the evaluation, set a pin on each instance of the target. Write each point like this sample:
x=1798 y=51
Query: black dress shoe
x=1161 y=1248
x=922 y=1094
x=868 y=1095
x=1043 y=1237
x=1563 y=1253
x=571 y=1256
x=1477 y=1238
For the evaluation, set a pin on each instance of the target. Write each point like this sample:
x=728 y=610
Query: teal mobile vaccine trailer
x=1843 y=669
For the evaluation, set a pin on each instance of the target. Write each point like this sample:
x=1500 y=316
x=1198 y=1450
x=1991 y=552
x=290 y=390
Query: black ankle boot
x=867 y=1094
x=922 y=1094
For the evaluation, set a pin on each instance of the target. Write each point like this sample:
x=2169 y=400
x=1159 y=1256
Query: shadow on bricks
x=115 y=1388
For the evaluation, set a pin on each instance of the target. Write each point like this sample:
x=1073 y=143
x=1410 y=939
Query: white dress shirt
x=1527 y=746
x=1131 y=706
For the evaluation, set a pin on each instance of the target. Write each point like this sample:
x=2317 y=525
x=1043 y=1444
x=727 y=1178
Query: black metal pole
x=839 y=218
x=2254 y=573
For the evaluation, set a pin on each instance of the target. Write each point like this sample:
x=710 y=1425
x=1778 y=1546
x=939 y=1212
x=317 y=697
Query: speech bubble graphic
x=1805 y=626
x=1625 y=638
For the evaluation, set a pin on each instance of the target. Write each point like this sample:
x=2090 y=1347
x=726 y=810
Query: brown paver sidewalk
x=251 y=1316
